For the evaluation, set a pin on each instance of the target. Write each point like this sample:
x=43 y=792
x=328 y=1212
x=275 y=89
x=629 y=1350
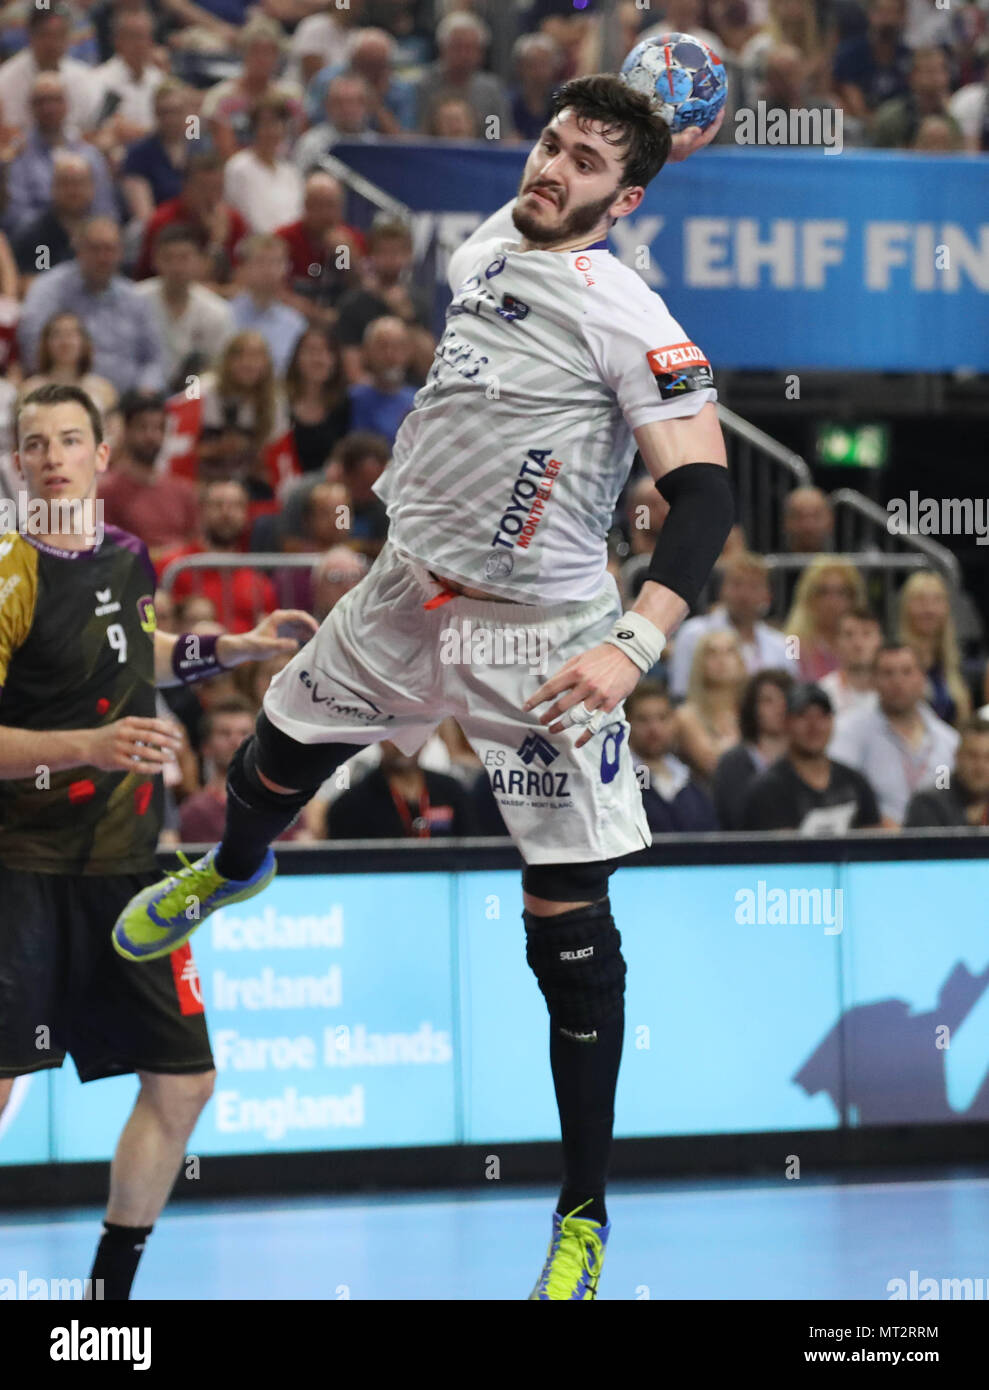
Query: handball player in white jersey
x=491 y=600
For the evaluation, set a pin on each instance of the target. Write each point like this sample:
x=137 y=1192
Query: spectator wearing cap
x=71 y=205
x=762 y=722
x=126 y=346
x=743 y=606
x=324 y=252
x=154 y=167
x=672 y=800
x=462 y=40
x=901 y=746
x=48 y=40
x=193 y=322
x=391 y=101
x=163 y=511
x=347 y=116
x=219 y=228
x=262 y=274
x=805 y=789
x=30 y=176
x=961 y=798
x=538 y=61
x=851 y=685
x=387 y=289
x=265 y=189
x=227 y=106
x=382 y=403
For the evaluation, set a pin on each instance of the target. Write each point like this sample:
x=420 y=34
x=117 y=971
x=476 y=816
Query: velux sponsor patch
x=680 y=368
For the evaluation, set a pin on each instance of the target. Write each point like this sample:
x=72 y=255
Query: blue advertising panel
x=330 y=1009
x=912 y=1043
x=779 y=258
x=363 y=1011
x=25 y=1132
x=733 y=975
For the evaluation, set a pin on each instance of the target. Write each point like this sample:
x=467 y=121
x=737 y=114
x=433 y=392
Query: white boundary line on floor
x=615 y=1199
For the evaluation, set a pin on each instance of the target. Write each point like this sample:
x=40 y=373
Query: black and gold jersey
x=77 y=651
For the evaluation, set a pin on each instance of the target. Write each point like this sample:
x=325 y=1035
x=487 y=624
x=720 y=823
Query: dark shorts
x=64 y=989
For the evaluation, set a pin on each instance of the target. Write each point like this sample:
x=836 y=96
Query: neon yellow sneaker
x=576 y=1254
x=163 y=917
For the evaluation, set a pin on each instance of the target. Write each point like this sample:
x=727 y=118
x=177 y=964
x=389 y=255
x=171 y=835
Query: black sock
x=116 y=1260
x=585 y=1075
x=255 y=816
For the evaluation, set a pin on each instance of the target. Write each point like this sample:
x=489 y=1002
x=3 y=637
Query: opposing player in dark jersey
x=80 y=810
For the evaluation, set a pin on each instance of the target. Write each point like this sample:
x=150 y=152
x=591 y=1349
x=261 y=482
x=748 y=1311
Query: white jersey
x=506 y=473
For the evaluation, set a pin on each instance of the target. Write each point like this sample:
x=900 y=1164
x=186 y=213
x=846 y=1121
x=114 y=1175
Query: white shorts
x=382 y=666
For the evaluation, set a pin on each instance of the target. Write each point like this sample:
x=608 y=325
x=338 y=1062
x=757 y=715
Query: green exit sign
x=852 y=446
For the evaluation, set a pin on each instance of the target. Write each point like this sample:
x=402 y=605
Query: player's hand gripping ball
x=685 y=79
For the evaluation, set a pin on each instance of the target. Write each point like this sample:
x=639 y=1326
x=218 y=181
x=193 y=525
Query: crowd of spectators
x=171 y=240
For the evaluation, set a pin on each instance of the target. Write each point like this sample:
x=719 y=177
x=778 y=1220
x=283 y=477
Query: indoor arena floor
x=717 y=1239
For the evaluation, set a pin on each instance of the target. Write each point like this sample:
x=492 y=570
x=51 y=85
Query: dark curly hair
x=628 y=119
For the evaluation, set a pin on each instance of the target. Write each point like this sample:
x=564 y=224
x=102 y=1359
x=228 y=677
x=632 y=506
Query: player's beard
x=577 y=223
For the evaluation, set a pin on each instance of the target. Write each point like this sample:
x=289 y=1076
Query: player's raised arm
x=686 y=459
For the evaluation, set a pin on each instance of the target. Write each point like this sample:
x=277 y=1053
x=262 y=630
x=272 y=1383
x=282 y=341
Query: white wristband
x=640 y=640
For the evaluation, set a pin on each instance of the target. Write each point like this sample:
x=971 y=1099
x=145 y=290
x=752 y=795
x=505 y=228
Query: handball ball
x=685 y=79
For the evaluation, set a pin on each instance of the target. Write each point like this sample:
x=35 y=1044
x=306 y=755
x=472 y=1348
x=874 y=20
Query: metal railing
x=762 y=471
x=879 y=572
x=287 y=596
x=855 y=513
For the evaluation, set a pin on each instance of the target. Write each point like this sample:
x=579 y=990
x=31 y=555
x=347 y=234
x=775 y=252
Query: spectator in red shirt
x=162 y=510
x=240 y=597
x=324 y=252
x=202 y=815
x=218 y=227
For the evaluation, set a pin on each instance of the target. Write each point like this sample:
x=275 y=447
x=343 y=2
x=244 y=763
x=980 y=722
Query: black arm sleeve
x=702 y=512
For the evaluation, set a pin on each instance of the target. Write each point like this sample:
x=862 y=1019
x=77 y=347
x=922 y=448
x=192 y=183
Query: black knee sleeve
x=577 y=959
x=568 y=883
x=293 y=764
x=244 y=783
